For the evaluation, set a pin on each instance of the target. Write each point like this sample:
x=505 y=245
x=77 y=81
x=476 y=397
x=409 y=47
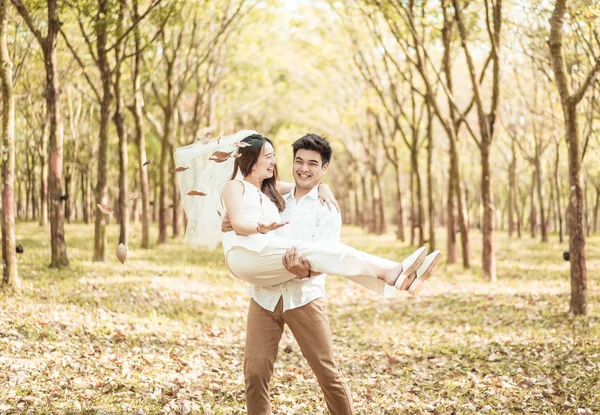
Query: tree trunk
x=165 y=156
x=532 y=209
x=373 y=217
x=540 y=194
x=44 y=173
x=558 y=198
x=488 y=256
x=451 y=218
x=412 y=207
x=102 y=182
x=34 y=199
x=84 y=196
x=140 y=137
x=596 y=209
x=578 y=304
x=381 y=225
x=462 y=222
x=70 y=178
x=430 y=201
x=366 y=215
x=68 y=181
x=119 y=120
x=9 y=255
x=399 y=208
x=586 y=216
x=486 y=122
x=57 y=214
x=176 y=212
x=414 y=162
x=357 y=211
x=512 y=190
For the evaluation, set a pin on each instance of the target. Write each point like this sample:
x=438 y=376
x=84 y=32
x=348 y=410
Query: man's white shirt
x=311 y=221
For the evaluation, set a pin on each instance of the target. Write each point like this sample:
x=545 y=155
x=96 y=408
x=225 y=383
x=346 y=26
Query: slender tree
x=53 y=106
x=570 y=100
x=9 y=256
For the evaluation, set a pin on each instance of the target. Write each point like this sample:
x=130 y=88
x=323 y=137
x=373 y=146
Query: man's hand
x=296 y=263
x=226 y=224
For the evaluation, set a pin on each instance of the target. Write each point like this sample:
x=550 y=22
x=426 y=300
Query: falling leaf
x=195 y=193
x=133 y=237
x=121 y=253
x=222 y=154
x=147 y=162
x=179 y=169
x=105 y=209
x=218 y=160
x=219 y=140
x=133 y=196
x=241 y=144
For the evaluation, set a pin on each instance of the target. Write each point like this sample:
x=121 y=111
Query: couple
x=242 y=169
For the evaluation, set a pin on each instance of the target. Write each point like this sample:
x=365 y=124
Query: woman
x=251 y=196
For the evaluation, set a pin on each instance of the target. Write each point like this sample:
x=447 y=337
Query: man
x=299 y=303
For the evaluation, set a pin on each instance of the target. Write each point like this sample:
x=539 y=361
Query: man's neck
x=300 y=192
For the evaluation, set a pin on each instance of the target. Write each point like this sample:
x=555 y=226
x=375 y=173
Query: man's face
x=308 y=168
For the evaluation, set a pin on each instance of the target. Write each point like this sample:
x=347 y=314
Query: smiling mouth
x=304 y=176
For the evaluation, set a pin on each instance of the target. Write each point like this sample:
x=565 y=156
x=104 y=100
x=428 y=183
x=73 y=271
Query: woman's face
x=265 y=166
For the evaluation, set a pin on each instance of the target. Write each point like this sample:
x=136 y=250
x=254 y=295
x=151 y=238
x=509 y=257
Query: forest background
x=467 y=126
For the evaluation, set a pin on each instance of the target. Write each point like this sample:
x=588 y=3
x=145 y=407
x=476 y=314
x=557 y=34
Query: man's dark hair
x=316 y=143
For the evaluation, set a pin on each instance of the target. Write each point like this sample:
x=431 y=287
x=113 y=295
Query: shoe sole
x=414 y=291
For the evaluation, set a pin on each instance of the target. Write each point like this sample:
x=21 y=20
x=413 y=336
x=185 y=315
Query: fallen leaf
x=147 y=162
x=179 y=169
x=195 y=193
x=105 y=209
x=121 y=253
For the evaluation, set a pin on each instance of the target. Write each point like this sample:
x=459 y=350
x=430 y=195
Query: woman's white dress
x=257 y=258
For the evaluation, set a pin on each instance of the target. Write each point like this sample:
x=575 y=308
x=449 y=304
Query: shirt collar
x=313 y=194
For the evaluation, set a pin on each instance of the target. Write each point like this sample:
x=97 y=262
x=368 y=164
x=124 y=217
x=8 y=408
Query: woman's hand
x=326 y=197
x=268 y=227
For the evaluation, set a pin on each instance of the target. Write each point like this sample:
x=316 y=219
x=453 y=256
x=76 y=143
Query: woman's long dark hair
x=248 y=156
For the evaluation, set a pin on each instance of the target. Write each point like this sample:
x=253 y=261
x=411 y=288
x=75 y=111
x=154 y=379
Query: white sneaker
x=425 y=270
x=409 y=266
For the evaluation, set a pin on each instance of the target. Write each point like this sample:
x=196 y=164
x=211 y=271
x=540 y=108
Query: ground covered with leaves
x=164 y=333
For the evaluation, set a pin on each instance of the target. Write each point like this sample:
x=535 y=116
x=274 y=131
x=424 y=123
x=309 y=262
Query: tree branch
x=82 y=65
x=24 y=12
x=133 y=26
x=577 y=97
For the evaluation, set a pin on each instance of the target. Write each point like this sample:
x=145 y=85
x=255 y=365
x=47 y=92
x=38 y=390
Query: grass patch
x=165 y=333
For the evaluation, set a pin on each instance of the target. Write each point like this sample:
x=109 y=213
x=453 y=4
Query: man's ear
x=325 y=167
